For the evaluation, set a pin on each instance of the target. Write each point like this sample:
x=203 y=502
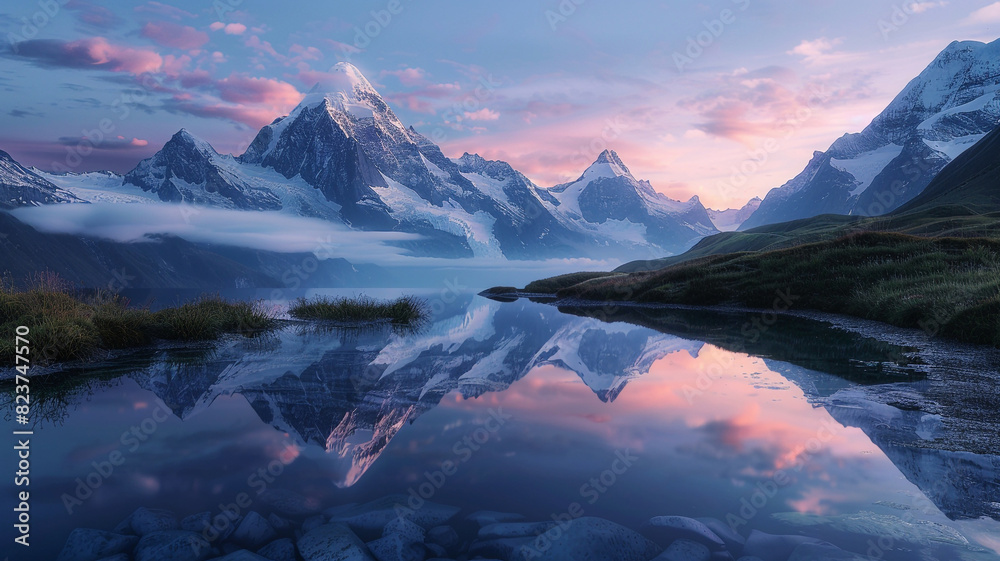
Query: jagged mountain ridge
x=343 y=155
x=20 y=186
x=730 y=219
x=942 y=112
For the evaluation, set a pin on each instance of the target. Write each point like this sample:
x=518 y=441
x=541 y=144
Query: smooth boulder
x=84 y=544
x=664 y=530
x=823 y=552
x=278 y=550
x=770 y=547
x=333 y=542
x=685 y=550
x=172 y=545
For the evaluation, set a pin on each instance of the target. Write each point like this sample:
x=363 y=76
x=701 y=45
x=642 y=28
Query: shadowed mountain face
x=941 y=113
x=347 y=394
x=20 y=186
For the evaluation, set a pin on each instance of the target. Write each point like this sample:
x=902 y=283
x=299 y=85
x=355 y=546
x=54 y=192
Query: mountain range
x=342 y=155
x=941 y=113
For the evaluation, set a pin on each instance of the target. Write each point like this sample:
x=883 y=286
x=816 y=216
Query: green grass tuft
x=65 y=326
x=406 y=310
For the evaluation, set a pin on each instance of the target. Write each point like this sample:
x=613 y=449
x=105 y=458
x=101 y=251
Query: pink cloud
x=482 y=115
x=408 y=76
x=160 y=9
x=95 y=52
x=173 y=35
x=229 y=29
x=244 y=89
x=251 y=116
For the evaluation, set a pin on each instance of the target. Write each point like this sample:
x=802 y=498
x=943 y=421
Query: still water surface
x=529 y=409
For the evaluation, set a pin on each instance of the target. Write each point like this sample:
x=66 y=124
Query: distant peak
x=608 y=164
x=185 y=138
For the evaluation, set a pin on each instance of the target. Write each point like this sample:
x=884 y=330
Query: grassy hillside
x=946 y=286
x=962 y=201
x=972 y=181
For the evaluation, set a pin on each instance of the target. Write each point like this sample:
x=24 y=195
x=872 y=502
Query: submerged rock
x=405 y=529
x=685 y=550
x=370 y=518
x=444 y=536
x=664 y=530
x=147 y=520
x=172 y=545
x=823 y=552
x=333 y=542
x=514 y=530
x=770 y=547
x=289 y=503
x=243 y=555
x=395 y=547
x=583 y=538
x=253 y=531
x=278 y=550
x=487 y=517
x=85 y=544
x=734 y=541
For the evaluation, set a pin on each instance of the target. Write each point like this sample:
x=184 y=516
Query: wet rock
x=313 y=522
x=214 y=529
x=486 y=517
x=508 y=549
x=664 y=530
x=395 y=547
x=278 y=550
x=333 y=542
x=368 y=519
x=514 y=530
x=771 y=547
x=335 y=510
x=254 y=531
x=444 y=536
x=405 y=529
x=147 y=520
x=242 y=555
x=685 y=550
x=722 y=556
x=288 y=503
x=583 y=538
x=823 y=552
x=435 y=550
x=196 y=522
x=84 y=544
x=172 y=545
x=734 y=541
x=278 y=523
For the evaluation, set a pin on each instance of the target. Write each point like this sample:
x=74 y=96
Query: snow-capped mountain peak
x=607 y=165
x=942 y=112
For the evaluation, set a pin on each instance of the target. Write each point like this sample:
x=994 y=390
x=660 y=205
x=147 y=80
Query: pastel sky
x=545 y=85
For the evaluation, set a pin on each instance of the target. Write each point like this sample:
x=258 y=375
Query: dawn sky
x=544 y=85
